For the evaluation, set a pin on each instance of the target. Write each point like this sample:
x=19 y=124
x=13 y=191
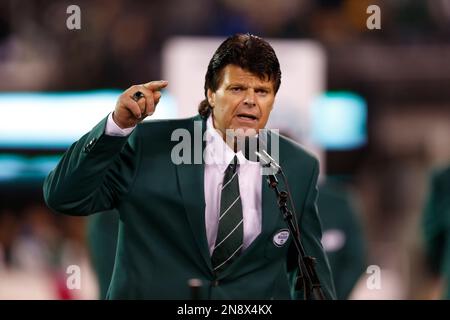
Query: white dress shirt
x=217 y=157
x=112 y=129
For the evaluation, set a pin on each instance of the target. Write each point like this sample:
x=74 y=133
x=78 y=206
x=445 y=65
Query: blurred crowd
x=36 y=250
x=121 y=40
x=402 y=70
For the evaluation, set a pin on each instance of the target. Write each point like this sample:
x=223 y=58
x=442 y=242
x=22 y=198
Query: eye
x=261 y=91
x=236 y=89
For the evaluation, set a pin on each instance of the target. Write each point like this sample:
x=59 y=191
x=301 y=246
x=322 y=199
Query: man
x=436 y=227
x=182 y=221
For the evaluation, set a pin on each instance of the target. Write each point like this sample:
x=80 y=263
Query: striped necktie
x=230 y=232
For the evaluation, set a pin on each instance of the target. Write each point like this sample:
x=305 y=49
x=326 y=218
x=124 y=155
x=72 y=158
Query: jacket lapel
x=191 y=181
x=270 y=210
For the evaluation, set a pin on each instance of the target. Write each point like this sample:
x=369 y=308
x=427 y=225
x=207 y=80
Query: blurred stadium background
x=373 y=104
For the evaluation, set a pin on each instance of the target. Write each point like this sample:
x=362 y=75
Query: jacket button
x=215 y=283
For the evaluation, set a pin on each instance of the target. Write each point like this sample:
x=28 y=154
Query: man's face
x=242 y=100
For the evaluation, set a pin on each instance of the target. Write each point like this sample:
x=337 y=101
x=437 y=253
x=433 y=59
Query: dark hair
x=247 y=51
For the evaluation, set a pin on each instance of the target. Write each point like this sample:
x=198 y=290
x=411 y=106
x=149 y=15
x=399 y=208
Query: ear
x=211 y=98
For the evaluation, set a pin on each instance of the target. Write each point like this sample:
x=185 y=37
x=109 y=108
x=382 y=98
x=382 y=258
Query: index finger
x=156 y=85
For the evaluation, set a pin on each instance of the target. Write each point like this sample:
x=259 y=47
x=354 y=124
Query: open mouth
x=247 y=117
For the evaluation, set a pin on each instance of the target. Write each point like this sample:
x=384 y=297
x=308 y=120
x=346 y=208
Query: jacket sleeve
x=311 y=235
x=93 y=174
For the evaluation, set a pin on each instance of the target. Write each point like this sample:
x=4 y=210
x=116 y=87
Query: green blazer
x=436 y=226
x=162 y=239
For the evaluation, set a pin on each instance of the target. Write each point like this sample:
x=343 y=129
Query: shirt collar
x=217 y=151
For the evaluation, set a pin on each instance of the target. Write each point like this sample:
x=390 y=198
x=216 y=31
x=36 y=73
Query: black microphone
x=255 y=149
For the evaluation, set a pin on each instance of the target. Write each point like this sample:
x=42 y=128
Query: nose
x=250 y=98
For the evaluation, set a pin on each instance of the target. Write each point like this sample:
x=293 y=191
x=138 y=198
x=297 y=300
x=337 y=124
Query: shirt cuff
x=112 y=129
